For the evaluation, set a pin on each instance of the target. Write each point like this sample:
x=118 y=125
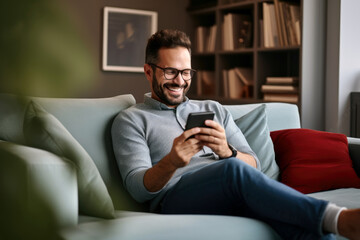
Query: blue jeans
x=231 y=187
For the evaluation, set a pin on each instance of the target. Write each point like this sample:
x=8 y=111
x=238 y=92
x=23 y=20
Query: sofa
x=41 y=187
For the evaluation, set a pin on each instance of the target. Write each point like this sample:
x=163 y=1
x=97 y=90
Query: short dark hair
x=167 y=38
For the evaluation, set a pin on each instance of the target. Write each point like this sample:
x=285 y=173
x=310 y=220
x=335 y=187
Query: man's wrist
x=233 y=152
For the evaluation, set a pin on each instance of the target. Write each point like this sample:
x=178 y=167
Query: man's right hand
x=183 y=149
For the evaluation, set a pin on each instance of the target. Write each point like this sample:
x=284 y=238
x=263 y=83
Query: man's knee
x=234 y=164
x=237 y=170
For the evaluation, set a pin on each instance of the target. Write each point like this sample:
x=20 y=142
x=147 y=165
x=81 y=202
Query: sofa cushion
x=173 y=227
x=313 y=161
x=89 y=121
x=12 y=109
x=38 y=193
x=43 y=130
x=345 y=197
x=279 y=115
x=255 y=129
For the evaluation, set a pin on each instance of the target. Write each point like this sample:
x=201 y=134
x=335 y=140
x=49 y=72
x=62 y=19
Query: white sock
x=331 y=216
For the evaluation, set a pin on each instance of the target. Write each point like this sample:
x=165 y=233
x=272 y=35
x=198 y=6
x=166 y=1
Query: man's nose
x=179 y=79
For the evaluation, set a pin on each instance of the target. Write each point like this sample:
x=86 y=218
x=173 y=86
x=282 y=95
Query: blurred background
x=53 y=48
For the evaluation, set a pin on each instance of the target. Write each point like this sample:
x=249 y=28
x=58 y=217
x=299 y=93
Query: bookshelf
x=266 y=53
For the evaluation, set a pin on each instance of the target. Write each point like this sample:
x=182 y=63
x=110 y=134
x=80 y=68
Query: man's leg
x=231 y=187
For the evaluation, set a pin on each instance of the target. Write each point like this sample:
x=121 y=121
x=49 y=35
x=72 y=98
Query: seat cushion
x=344 y=197
x=165 y=227
x=43 y=130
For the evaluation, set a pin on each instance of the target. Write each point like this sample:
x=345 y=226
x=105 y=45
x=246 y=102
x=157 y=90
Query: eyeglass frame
x=192 y=72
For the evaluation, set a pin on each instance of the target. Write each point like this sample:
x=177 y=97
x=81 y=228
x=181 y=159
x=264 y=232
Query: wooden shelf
x=265 y=62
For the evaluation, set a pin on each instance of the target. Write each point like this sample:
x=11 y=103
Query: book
x=205 y=39
x=201 y=33
x=266 y=26
x=226 y=44
x=278 y=22
x=205 y=82
x=295 y=21
x=282 y=80
x=281 y=24
x=234 y=84
x=281 y=97
x=212 y=39
x=225 y=83
x=245 y=75
x=234 y=87
x=271 y=37
x=279 y=88
x=236 y=31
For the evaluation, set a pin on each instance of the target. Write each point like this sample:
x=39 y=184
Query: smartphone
x=197 y=119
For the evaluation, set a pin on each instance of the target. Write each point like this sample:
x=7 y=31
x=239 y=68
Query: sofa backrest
x=279 y=115
x=88 y=120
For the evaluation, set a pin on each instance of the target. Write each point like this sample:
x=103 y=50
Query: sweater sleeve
x=132 y=155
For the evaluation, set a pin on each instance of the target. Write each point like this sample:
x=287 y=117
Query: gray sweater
x=143 y=134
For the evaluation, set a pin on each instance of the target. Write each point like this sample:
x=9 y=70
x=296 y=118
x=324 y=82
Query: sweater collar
x=148 y=100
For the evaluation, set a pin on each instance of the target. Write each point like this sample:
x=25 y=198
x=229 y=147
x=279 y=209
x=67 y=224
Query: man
x=215 y=172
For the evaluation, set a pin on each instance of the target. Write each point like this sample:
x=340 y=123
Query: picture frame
x=125 y=35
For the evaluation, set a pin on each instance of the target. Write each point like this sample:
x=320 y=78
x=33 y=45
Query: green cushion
x=255 y=129
x=43 y=130
x=12 y=109
x=38 y=193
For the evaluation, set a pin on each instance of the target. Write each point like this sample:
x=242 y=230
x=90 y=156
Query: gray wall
x=343 y=62
x=89 y=16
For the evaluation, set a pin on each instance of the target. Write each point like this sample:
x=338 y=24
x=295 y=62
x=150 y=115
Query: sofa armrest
x=354 y=151
x=38 y=193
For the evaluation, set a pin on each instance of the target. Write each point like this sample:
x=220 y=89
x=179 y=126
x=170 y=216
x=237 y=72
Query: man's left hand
x=214 y=137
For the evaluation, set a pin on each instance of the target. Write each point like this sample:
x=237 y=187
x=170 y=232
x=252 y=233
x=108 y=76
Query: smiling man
x=215 y=172
x=173 y=89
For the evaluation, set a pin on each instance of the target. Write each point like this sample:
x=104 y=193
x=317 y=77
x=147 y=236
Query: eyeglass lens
x=171 y=73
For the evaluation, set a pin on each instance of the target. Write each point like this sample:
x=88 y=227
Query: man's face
x=170 y=92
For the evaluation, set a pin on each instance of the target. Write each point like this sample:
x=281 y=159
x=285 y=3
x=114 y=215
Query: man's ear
x=148 y=72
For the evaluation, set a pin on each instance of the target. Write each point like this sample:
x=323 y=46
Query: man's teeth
x=175 y=89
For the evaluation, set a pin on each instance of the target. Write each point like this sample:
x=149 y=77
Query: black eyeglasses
x=172 y=73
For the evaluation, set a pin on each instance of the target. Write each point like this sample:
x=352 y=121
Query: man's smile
x=174 y=87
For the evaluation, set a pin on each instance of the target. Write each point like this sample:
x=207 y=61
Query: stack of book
x=236 y=31
x=281 y=24
x=238 y=82
x=205 y=39
x=281 y=89
x=205 y=81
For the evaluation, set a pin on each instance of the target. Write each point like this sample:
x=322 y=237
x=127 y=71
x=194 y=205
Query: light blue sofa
x=39 y=197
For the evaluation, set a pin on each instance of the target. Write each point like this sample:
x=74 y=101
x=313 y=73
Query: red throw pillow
x=313 y=161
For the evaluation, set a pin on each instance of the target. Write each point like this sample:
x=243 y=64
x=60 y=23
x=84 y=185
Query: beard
x=161 y=91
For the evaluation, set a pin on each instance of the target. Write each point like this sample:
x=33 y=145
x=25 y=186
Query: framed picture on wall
x=125 y=36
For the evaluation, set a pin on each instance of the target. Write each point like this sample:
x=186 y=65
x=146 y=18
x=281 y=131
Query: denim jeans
x=231 y=187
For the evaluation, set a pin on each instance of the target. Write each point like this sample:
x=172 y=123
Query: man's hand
x=214 y=137
x=183 y=149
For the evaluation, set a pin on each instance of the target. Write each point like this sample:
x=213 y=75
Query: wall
x=313 y=61
x=89 y=15
x=343 y=62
